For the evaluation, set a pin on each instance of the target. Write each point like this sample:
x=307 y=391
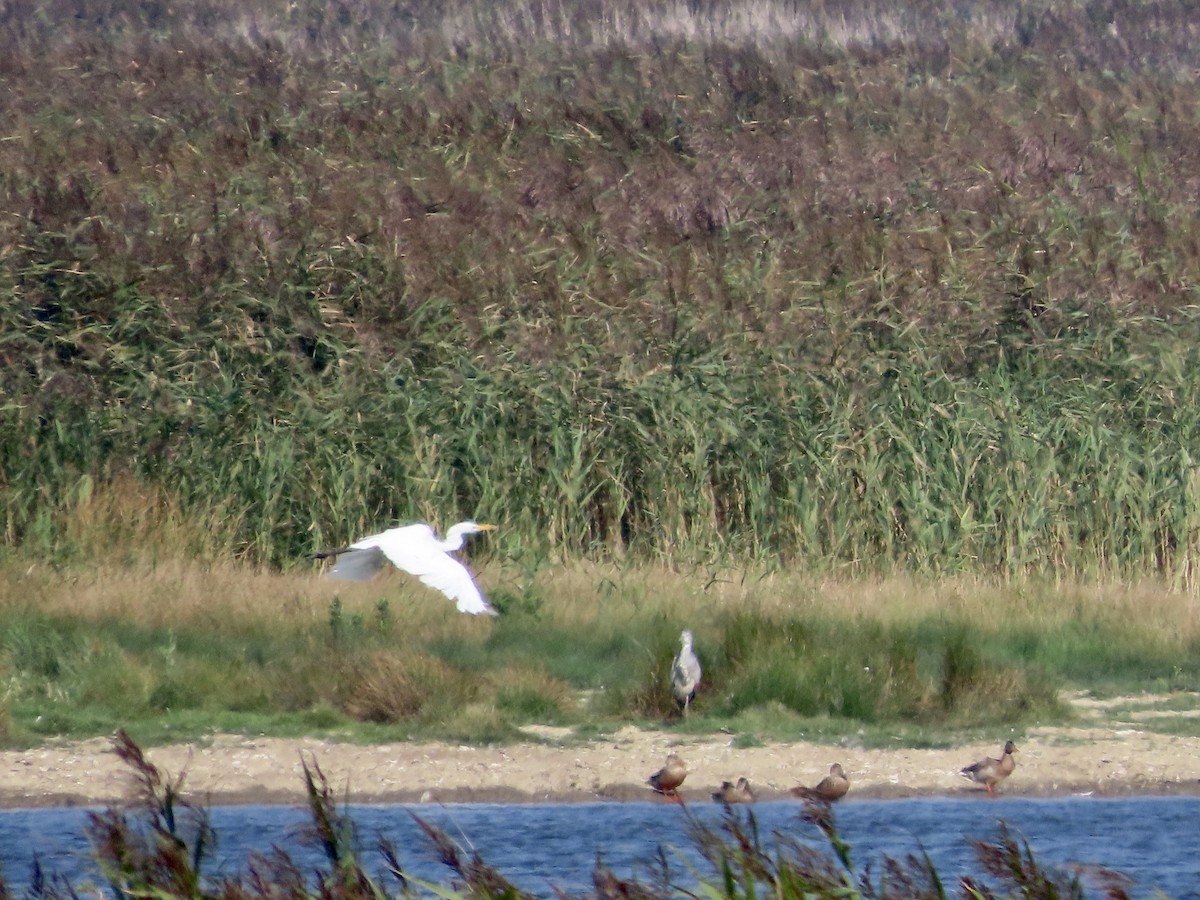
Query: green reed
x=798 y=287
x=1041 y=469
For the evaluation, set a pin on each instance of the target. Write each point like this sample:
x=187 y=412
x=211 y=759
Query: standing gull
x=416 y=550
x=685 y=673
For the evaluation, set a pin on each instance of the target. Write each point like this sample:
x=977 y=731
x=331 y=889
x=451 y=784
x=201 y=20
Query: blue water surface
x=544 y=848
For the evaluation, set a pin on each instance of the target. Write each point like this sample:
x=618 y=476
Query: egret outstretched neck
x=457 y=535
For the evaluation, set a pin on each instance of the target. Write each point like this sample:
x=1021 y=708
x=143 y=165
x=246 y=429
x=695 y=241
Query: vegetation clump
x=176 y=655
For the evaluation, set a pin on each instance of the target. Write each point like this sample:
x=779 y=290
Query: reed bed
x=915 y=472
x=856 y=288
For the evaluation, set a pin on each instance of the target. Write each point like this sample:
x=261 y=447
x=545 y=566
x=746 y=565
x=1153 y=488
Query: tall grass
x=1067 y=470
x=855 y=287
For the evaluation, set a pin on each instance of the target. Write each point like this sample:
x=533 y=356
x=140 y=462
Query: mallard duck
x=734 y=793
x=685 y=673
x=989 y=772
x=830 y=788
x=667 y=779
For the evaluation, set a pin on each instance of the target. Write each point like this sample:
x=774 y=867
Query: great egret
x=830 y=788
x=416 y=550
x=685 y=673
x=734 y=793
x=668 y=779
x=989 y=772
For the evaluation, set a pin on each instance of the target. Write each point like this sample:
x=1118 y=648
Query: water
x=541 y=848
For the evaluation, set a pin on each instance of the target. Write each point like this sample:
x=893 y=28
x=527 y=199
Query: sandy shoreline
x=232 y=769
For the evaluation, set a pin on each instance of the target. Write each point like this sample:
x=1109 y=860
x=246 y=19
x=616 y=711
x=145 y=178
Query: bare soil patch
x=1106 y=757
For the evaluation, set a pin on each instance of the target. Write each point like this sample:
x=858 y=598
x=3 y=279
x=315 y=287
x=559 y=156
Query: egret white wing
x=454 y=580
x=416 y=550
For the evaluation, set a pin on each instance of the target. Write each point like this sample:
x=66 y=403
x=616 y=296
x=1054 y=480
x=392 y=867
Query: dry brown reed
x=820 y=313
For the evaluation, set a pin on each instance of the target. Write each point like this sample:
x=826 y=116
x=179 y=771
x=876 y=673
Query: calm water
x=1155 y=840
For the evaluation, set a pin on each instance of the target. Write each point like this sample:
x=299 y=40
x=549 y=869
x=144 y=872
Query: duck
x=988 y=771
x=667 y=780
x=830 y=788
x=734 y=793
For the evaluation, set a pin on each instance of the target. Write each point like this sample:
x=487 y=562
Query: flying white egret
x=417 y=550
x=685 y=673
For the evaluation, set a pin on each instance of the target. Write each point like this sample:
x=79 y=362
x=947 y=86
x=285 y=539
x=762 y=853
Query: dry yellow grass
x=590 y=591
x=226 y=594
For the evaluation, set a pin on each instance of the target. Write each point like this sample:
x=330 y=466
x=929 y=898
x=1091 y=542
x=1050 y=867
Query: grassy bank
x=176 y=651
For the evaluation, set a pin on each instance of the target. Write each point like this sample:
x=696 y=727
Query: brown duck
x=734 y=793
x=668 y=779
x=989 y=772
x=830 y=788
